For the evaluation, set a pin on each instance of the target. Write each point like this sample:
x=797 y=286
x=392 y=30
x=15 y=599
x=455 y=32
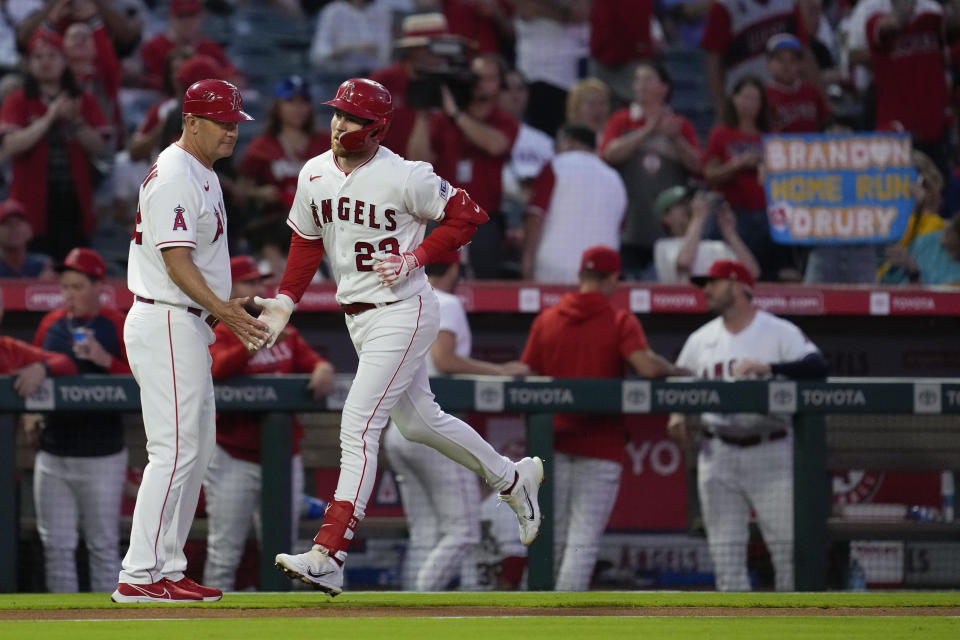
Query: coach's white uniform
x=180 y=205
x=734 y=479
x=384 y=205
x=441 y=499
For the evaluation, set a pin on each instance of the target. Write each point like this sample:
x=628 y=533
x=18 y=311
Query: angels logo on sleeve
x=178 y=222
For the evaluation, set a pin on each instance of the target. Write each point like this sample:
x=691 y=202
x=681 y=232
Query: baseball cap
x=244 y=268
x=85 y=261
x=783 y=42
x=185 y=7
x=419 y=29
x=47 y=37
x=11 y=207
x=669 y=197
x=290 y=87
x=725 y=270
x=602 y=259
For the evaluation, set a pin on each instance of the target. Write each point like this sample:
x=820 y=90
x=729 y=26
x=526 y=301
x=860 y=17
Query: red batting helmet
x=365 y=99
x=215 y=99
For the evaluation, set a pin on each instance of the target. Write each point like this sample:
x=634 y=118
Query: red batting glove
x=393 y=268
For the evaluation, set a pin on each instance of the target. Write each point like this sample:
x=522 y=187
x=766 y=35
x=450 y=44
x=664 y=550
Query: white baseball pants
x=68 y=491
x=585 y=490
x=392 y=343
x=232 y=492
x=732 y=481
x=168 y=351
x=441 y=501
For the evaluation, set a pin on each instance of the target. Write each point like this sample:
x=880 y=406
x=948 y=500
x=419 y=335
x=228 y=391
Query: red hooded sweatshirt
x=583 y=336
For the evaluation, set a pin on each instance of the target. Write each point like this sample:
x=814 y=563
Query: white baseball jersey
x=453 y=318
x=181 y=205
x=712 y=352
x=382 y=205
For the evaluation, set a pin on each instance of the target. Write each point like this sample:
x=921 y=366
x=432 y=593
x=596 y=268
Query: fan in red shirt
x=584 y=336
x=731 y=161
x=795 y=105
x=93 y=60
x=469 y=147
x=52 y=130
x=653 y=149
x=185 y=30
x=617 y=44
x=232 y=483
x=272 y=160
x=487 y=23
x=906 y=50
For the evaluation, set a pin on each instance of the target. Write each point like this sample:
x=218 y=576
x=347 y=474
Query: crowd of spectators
x=669 y=94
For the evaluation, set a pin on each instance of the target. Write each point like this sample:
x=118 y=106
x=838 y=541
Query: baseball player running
x=368 y=208
x=179 y=273
x=746 y=460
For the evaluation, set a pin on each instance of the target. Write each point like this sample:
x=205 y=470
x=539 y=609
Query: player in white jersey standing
x=746 y=460
x=368 y=208
x=179 y=273
x=441 y=499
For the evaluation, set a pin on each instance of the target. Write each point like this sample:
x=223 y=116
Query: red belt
x=748 y=441
x=355 y=308
x=197 y=311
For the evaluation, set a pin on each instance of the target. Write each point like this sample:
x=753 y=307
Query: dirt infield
x=141 y=613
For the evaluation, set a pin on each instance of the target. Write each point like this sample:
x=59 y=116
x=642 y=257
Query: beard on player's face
x=719 y=296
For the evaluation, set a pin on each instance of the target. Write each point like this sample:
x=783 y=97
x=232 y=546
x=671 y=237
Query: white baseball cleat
x=315 y=567
x=523 y=498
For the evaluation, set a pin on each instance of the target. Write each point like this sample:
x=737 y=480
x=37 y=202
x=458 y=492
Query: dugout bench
x=820 y=443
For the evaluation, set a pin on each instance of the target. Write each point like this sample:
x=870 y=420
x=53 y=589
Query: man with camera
x=425 y=49
x=468 y=141
x=686 y=215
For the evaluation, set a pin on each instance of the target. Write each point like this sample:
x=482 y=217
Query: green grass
x=505 y=628
x=511 y=599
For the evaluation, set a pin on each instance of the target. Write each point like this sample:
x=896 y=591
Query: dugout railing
x=874 y=444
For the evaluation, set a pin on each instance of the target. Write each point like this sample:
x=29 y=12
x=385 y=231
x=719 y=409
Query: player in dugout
x=585 y=336
x=745 y=463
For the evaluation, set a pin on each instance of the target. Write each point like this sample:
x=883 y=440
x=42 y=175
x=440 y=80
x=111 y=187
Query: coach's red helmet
x=365 y=99
x=215 y=99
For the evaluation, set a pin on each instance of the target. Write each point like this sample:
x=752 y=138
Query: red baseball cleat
x=161 y=591
x=209 y=594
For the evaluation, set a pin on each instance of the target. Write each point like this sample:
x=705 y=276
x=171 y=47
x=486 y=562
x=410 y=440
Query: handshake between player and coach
x=461 y=218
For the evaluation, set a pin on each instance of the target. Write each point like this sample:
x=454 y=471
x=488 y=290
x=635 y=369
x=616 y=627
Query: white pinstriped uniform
x=384 y=205
x=181 y=205
x=733 y=480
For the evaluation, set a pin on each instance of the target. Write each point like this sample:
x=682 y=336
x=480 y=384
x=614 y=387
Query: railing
x=539 y=398
x=640 y=297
